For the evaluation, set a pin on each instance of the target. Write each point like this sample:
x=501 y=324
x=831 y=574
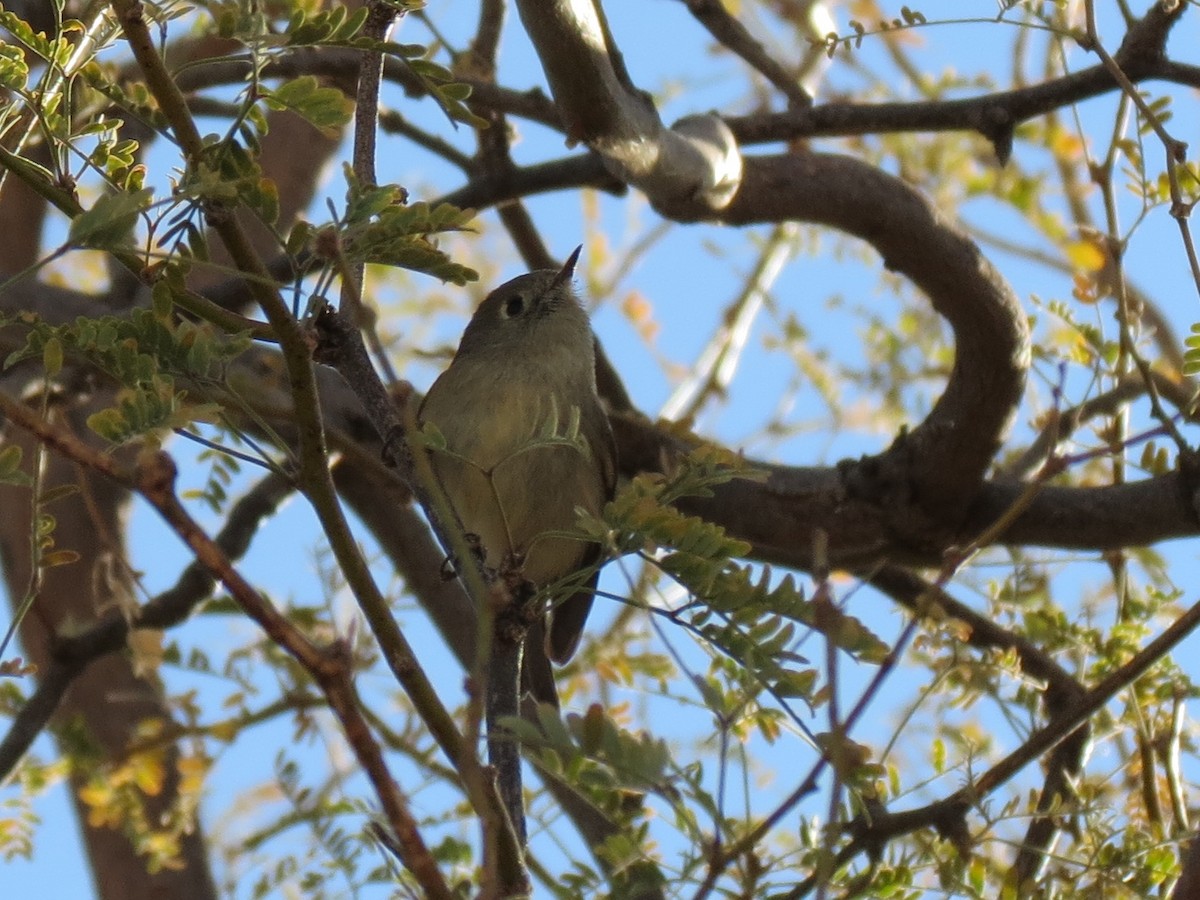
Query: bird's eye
x=514 y=306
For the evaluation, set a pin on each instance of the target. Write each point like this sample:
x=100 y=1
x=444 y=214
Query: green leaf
x=52 y=357
x=10 y=467
x=800 y=683
x=430 y=437
x=110 y=424
x=380 y=227
x=161 y=299
x=325 y=107
x=14 y=71
x=53 y=494
x=299 y=238
x=110 y=221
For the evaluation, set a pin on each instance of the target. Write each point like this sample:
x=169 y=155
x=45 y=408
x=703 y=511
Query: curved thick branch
x=946 y=455
x=931 y=474
x=780 y=515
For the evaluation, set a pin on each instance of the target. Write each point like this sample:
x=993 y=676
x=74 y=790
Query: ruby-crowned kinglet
x=526 y=362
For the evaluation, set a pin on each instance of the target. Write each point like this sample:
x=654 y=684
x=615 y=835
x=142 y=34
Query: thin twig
x=941 y=813
x=1175 y=149
x=734 y=36
x=380 y=16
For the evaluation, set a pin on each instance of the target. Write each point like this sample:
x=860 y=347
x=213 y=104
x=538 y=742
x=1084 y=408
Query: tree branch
x=1066 y=760
x=947 y=814
x=330 y=667
x=1142 y=57
x=696 y=161
x=71 y=654
x=734 y=36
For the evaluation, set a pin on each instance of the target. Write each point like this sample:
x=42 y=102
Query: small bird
x=526 y=361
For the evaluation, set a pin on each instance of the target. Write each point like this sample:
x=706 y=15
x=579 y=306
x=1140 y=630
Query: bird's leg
x=521 y=590
x=450 y=564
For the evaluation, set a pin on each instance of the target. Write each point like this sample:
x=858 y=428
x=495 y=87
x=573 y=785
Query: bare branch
x=734 y=36
x=1188 y=885
x=1142 y=57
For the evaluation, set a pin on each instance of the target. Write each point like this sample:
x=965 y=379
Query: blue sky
x=688 y=285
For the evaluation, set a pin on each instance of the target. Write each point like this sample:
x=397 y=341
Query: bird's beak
x=568 y=270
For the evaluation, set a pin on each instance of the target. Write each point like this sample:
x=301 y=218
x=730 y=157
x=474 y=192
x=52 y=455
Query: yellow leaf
x=192 y=770
x=149 y=772
x=162 y=851
x=1066 y=145
x=591 y=205
x=101 y=801
x=95 y=793
x=597 y=250
x=1085 y=255
x=620 y=713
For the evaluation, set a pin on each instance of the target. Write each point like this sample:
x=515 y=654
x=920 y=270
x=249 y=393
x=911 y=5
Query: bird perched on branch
x=526 y=443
